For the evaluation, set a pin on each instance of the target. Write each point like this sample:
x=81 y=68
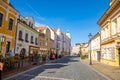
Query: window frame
x=26 y=37
x=32 y=39
x=20 y=35
x=2 y=19
x=10 y=27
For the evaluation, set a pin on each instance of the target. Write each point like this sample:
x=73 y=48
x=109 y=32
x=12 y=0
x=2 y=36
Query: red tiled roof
x=62 y=33
x=42 y=28
x=54 y=30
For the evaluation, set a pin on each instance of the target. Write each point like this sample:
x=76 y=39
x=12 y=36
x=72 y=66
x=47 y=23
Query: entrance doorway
x=98 y=55
x=22 y=52
x=119 y=55
x=8 y=46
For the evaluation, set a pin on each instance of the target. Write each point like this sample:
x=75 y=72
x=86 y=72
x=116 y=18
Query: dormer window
x=30 y=24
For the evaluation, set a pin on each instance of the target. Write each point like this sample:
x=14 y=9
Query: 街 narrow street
x=67 y=68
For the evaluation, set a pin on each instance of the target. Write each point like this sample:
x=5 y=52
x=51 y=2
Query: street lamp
x=90 y=36
x=2 y=38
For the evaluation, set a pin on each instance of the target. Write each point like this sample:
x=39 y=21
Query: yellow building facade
x=84 y=49
x=110 y=34
x=8 y=22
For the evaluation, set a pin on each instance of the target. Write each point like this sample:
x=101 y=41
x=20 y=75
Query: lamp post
x=90 y=36
x=2 y=38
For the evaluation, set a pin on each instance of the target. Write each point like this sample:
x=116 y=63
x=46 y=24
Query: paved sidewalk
x=25 y=67
x=110 y=71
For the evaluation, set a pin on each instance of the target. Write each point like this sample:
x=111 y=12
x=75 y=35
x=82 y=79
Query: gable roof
x=54 y=30
x=41 y=28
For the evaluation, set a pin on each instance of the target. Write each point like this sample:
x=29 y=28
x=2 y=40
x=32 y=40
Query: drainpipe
x=16 y=35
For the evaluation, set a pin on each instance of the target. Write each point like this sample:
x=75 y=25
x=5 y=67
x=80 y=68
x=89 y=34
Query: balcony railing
x=20 y=39
x=26 y=41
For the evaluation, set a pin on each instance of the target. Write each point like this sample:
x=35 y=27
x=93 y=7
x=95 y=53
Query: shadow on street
x=55 y=65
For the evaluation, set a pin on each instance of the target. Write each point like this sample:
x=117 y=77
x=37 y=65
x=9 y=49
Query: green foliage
x=82 y=56
x=1 y=57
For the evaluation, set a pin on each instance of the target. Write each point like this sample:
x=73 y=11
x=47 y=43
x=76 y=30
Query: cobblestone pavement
x=68 y=68
x=110 y=71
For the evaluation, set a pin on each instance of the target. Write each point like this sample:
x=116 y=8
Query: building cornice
x=108 y=12
x=10 y=5
x=28 y=27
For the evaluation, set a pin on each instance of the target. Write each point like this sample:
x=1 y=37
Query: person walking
x=53 y=57
x=11 y=58
x=11 y=54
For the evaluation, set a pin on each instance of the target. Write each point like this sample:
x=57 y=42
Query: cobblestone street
x=68 y=68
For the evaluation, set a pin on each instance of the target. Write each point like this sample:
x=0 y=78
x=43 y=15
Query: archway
x=22 y=52
x=119 y=55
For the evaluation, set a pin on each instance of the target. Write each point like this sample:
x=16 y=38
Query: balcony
x=20 y=39
x=32 y=42
x=27 y=41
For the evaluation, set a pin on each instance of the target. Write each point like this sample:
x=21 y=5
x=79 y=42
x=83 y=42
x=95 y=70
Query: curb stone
x=106 y=77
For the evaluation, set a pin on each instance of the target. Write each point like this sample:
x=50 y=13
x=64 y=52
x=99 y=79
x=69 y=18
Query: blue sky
x=78 y=16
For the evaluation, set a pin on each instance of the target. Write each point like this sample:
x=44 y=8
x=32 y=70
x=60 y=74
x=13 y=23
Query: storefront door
x=119 y=55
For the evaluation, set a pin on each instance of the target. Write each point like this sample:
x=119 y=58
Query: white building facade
x=75 y=49
x=27 y=36
x=95 y=47
x=62 y=42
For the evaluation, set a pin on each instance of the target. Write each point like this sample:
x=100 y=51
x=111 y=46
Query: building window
x=32 y=39
x=36 y=41
x=1 y=19
x=29 y=23
x=8 y=46
x=20 y=36
x=26 y=37
x=10 y=24
x=114 y=27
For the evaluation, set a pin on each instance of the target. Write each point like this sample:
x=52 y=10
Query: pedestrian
x=11 y=54
x=11 y=58
x=53 y=57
